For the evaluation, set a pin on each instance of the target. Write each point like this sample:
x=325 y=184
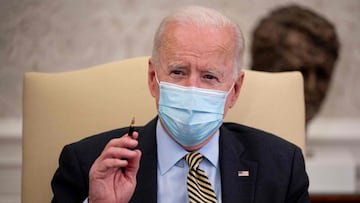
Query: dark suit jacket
x=276 y=167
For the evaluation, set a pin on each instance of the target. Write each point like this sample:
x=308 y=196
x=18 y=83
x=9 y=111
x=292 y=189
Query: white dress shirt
x=172 y=168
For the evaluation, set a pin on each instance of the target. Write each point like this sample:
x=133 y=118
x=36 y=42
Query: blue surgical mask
x=191 y=114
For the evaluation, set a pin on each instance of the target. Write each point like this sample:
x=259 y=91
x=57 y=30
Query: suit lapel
x=146 y=188
x=238 y=175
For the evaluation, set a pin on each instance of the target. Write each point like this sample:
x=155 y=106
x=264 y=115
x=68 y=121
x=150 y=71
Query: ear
x=152 y=84
x=236 y=90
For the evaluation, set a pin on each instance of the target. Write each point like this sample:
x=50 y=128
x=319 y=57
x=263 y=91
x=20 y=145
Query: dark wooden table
x=331 y=198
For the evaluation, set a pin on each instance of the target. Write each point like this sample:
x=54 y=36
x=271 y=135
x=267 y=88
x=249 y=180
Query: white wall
x=10 y=160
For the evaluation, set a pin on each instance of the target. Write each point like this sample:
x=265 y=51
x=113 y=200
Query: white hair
x=200 y=16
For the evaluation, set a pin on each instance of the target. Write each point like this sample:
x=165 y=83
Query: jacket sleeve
x=299 y=182
x=69 y=182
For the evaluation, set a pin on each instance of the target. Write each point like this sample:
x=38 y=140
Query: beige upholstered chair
x=62 y=108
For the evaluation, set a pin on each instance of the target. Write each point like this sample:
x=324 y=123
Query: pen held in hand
x=131 y=128
x=130 y=133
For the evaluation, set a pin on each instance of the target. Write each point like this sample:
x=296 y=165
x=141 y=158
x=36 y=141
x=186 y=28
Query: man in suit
x=195 y=77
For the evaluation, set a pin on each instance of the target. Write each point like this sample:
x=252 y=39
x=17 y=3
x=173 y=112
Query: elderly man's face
x=199 y=57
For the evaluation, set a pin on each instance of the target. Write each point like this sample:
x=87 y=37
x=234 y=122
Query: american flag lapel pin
x=243 y=173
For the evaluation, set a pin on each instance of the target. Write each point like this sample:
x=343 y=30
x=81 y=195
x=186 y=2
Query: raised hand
x=112 y=177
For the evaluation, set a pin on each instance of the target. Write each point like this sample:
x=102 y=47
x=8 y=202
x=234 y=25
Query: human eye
x=177 y=72
x=211 y=78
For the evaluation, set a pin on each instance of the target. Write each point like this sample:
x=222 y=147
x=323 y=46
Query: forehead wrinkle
x=175 y=47
x=221 y=43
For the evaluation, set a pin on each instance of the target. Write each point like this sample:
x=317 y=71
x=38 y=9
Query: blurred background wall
x=55 y=36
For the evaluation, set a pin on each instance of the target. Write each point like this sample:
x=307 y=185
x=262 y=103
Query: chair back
x=60 y=108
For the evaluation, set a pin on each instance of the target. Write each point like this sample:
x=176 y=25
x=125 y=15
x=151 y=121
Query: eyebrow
x=178 y=65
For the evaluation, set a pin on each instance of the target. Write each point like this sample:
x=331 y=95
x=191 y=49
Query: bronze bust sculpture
x=296 y=38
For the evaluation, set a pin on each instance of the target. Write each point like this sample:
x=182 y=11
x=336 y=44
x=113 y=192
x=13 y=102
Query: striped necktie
x=198 y=185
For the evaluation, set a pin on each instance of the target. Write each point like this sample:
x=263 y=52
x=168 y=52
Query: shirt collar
x=170 y=152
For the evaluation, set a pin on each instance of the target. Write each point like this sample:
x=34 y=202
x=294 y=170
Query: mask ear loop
x=156 y=78
x=231 y=88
